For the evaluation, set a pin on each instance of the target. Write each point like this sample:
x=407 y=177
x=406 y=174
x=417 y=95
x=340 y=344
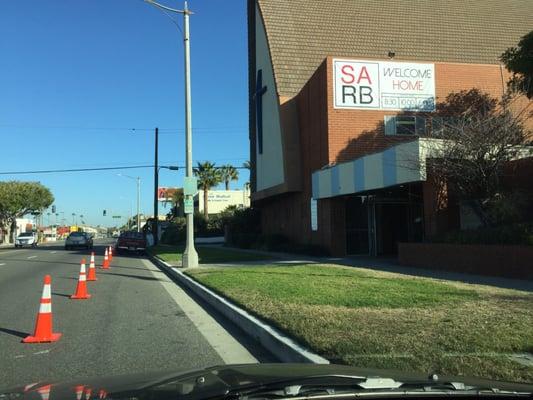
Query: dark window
x=406 y=125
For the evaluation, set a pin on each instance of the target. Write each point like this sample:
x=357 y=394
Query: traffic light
x=105 y=212
x=53 y=209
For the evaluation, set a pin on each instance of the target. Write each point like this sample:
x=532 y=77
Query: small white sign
x=384 y=85
x=314 y=215
x=188 y=206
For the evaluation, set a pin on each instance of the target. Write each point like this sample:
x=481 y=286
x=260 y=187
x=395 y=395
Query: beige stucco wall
x=270 y=170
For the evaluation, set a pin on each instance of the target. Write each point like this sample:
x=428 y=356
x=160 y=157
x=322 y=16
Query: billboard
x=383 y=85
x=166 y=193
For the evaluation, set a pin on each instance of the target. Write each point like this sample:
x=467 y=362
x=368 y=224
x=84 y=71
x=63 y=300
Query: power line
x=51 y=171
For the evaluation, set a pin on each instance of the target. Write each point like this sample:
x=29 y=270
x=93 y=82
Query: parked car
x=26 y=239
x=131 y=241
x=79 y=239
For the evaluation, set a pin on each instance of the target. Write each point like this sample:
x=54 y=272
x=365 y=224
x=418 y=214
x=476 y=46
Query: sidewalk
x=387 y=264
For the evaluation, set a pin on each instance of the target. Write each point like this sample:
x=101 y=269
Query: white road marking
x=43 y=352
x=32 y=257
x=53 y=252
x=227 y=347
x=2 y=264
x=19 y=356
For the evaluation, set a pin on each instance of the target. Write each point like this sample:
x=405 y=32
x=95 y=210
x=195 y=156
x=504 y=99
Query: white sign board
x=383 y=85
x=314 y=215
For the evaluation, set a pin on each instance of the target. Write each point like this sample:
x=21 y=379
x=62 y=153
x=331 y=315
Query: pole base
x=190 y=258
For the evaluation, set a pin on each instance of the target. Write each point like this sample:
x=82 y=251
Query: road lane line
x=2 y=264
x=32 y=257
x=53 y=252
x=227 y=347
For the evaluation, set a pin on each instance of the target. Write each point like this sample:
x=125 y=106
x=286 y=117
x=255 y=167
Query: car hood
x=214 y=382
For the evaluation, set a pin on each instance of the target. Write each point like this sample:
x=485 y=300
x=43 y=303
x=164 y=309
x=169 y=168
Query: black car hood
x=213 y=382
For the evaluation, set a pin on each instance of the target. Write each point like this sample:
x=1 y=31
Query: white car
x=26 y=239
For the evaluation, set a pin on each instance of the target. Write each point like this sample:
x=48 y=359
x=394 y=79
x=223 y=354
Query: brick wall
x=354 y=133
x=506 y=261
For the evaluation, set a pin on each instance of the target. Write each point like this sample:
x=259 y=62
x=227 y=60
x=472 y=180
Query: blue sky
x=77 y=76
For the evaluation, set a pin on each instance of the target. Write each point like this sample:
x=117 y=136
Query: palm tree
x=228 y=173
x=247 y=165
x=208 y=176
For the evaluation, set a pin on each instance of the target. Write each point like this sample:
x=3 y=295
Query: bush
x=175 y=233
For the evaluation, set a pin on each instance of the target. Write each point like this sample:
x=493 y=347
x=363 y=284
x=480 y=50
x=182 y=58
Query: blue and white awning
x=399 y=164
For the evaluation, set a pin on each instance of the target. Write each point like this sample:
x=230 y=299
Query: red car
x=131 y=241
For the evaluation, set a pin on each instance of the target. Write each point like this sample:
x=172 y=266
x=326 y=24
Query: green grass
x=206 y=254
x=383 y=320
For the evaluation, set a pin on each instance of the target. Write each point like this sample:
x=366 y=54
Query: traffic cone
x=110 y=253
x=28 y=387
x=44 y=391
x=91 y=276
x=102 y=394
x=81 y=289
x=105 y=265
x=43 y=326
x=88 y=393
x=79 y=391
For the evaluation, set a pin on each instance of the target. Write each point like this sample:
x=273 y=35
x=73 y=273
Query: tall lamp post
x=138 y=198
x=190 y=256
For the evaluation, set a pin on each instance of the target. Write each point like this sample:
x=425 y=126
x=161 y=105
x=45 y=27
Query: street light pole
x=190 y=256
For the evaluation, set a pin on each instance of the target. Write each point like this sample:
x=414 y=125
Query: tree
x=519 y=60
x=20 y=198
x=479 y=137
x=208 y=177
x=228 y=173
x=247 y=165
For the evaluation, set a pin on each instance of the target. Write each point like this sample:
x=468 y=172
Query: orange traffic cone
x=44 y=391
x=43 y=326
x=88 y=393
x=110 y=253
x=105 y=265
x=91 y=276
x=102 y=394
x=79 y=391
x=81 y=289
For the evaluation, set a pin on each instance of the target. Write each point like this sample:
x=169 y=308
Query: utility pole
x=138 y=204
x=156 y=187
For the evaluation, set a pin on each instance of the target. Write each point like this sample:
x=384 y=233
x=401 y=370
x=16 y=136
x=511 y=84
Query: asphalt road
x=133 y=322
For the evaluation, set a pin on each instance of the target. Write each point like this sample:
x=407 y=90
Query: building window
x=405 y=125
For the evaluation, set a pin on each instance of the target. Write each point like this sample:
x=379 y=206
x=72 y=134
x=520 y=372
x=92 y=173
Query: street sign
x=190 y=186
x=189 y=206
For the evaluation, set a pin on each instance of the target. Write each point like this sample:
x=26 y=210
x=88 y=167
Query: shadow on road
x=145 y=278
x=61 y=294
x=14 y=333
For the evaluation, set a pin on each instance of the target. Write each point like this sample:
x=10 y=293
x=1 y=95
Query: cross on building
x=260 y=90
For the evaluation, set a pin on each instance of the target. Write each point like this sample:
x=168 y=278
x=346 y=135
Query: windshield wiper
x=343 y=386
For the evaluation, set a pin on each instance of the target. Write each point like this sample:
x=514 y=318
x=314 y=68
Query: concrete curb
x=283 y=347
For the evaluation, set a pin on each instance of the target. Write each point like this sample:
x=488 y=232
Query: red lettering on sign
x=364 y=75
x=343 y=70
x=407 y=85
